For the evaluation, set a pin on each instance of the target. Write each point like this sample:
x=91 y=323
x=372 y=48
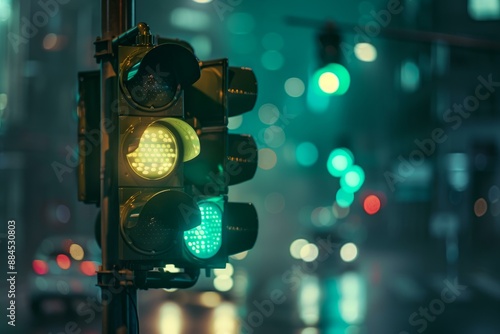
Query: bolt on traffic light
x=332 y=78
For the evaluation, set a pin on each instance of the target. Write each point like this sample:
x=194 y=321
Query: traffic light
x=225 y=159
x=154 y=143
x=331 y=78
x=170 y=156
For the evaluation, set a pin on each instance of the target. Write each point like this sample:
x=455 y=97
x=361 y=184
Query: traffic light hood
x=180 y=60
x=153 y=78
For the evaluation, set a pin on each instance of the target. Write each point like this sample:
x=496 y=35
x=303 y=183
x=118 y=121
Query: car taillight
x=88 y=268
x=40 y=267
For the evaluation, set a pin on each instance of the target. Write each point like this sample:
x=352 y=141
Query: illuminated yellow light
x=329 y=82
x=156 y=155
x=76 y=251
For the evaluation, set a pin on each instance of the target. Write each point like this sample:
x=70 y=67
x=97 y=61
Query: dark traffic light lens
x=151 y=86
x=153 y=222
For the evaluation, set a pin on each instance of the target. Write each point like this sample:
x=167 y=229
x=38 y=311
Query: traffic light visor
x=152 y=78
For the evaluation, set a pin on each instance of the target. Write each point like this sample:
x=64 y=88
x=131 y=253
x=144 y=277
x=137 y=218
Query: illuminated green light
x=344 y=198
x=353 y=179
x=339 y=161
x=333 y=79
x=329 y=82
x=204 y=241
x=156 y=155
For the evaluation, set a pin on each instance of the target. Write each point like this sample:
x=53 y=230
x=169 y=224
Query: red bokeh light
x=88 y=268
x=40 y=267
x=371 y=204
x=63 y=261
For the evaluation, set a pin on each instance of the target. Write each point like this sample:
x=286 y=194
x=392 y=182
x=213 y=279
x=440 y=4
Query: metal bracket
x=115 y=278
x=103 y=49
x=147 y=279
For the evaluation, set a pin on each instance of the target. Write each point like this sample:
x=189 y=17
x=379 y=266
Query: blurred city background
x=413 y=250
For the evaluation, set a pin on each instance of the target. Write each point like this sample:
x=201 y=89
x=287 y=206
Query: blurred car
x=64 y=276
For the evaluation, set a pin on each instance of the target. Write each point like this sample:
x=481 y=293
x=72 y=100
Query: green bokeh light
x=339 y=161
x=352 y=179
x=204 y=241
x=344 y=198
x=333 y=79
x=306 y=153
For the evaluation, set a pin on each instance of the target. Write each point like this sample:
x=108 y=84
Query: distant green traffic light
x=339 y=161
x=204 y=241
x=352 y=179
x=333 y=79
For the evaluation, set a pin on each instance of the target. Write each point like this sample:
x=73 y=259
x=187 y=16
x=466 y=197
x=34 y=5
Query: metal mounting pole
x=118 y=301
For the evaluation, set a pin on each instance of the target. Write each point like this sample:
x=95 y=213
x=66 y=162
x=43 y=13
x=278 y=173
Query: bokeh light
x=274 y=136
x=228 y=271
x=332 y=79
x=371 y=204
x=40 y=267
x=353 y=178
x=76 y=251
x=5 y=10
x=340 y=212
x=88 y=268
x=306 y=154
x=294 y=87
x=63 y=261
x=210 y=299
x=63 y=213
x=348 y=252
x=344 y=198
x=189 y=19
x=50 y=41
x=329 y=82
x=309 y=252
x=322 y=217
x=339 y=161
x=223 y=283
x=365 y=52
x=272 y=60
x=269 y=113
x=410 y=76
x=296 y=246
x=267 y=159
x=480 y=207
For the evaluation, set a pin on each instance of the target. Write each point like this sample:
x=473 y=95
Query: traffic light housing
x=225 y=159
x=170 y=155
